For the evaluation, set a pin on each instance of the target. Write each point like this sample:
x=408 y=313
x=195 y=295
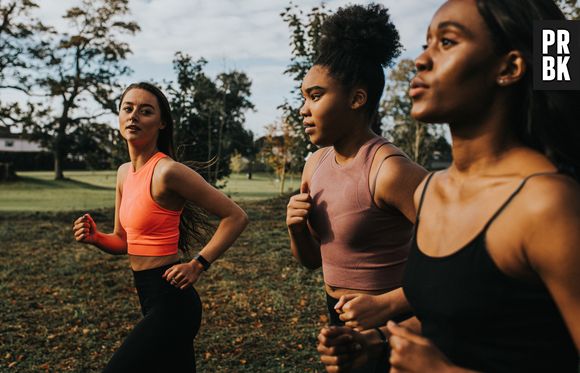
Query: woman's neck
x=479 y=145
x=140 y=155
x=347 y=147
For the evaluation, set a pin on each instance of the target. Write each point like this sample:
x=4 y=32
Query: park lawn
x=66 y=307
x=89 y=190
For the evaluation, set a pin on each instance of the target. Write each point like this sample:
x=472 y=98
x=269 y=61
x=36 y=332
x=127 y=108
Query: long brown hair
x=194 y=226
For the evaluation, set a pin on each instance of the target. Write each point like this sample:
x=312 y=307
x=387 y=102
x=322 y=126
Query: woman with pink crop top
x=354 y=214
x=153 y=219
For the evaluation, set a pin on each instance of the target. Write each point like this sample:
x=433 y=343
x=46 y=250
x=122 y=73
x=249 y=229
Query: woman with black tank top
x=493 y=270
x=355 y=211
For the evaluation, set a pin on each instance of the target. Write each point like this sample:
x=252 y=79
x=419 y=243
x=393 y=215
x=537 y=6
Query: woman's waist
x=149 y=266
x=337 y=291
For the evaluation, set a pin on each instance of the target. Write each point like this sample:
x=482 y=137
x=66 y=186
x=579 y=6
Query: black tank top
x=481 y=318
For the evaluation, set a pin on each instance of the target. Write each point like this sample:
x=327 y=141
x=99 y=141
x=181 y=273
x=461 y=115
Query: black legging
x=163 y=340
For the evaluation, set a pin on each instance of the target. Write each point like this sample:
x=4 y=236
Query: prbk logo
x=556 y=55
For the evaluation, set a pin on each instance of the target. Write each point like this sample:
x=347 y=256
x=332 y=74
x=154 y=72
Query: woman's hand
x=411 y=352
x=85 y=229
x=342 y=348
x=183 y=275
x=360 y=311
x=298 y=209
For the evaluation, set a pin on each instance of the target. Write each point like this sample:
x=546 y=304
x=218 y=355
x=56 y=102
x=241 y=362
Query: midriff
x=336 y=292
x=141 y=263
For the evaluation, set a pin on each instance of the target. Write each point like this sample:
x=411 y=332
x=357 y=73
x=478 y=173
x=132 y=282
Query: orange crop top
x=151 y=229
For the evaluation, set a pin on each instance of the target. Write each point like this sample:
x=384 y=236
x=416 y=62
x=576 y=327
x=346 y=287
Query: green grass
x=261 y=186
x=37 y=191
x=89 y=190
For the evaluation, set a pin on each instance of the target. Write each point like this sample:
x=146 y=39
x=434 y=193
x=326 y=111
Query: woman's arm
x=397 y=180
x=190 y=186
x=85 y=229
x=304 y=244
x=552 y=243
x=364 y=311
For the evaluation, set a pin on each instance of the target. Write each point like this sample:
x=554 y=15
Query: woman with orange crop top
x=152 y=221
x=354 y=215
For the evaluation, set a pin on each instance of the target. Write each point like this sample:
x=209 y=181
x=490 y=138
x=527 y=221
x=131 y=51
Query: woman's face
x=457 y=72
x=326 y=107
x=140 y=117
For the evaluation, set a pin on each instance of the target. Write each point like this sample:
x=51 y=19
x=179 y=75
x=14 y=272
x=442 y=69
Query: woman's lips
x=132 y=128
x=418 y=87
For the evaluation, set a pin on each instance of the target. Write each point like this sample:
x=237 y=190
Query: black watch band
x=384 y=340
x=205 y=264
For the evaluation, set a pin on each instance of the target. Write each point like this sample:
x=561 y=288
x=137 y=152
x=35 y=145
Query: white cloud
x=249 y=35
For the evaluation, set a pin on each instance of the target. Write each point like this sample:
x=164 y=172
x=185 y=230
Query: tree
x=17 y=30
x=278 y=148
x=81 y=71
x=209 y=115
x=415 y=138
x=571 y=8
x=305 y=34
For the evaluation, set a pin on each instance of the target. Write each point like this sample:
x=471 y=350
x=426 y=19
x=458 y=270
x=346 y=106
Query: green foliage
x=422 y=142
x=78 y=68
x=17 y=38
x=305 y=32
x=209 y=115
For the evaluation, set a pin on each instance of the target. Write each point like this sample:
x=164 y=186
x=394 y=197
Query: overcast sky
x=247 y=35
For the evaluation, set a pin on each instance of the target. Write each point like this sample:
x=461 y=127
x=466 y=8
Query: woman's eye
x=127 y=109
x=447 y=42
x=315 y=97
x=146 y=112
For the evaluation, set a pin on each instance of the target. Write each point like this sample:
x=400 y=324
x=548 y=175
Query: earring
x=501 y=81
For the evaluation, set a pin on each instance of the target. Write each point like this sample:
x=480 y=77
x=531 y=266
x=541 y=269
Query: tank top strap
x=329 y=150
x=151 y=167
x=366 y=154
x=511 y=197
x=423 y=194
x=374 y=183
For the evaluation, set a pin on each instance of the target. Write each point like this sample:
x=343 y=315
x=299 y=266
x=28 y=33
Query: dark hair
x=355 y=44
x=194 y=226
x=543 y=120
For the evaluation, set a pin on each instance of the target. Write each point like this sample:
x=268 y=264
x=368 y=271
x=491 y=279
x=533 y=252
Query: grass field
x=88 y=190
x=66 y=307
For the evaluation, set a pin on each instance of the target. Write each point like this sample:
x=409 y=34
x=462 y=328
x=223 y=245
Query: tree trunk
x=58 y=174
x=418 y=139
x=250 y=165
x=283 y=174
x=7 y=172
x=220 y=132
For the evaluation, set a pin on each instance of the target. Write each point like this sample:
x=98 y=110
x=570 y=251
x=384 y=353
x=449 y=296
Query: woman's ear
x=512 y=68
x=359 y=98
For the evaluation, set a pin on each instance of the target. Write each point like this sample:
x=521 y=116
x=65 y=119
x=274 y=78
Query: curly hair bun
x=366 y=32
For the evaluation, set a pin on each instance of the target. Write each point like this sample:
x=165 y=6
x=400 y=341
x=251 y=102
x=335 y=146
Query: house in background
x=21 y=153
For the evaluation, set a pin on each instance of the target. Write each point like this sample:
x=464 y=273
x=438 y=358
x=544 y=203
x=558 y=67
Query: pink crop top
x=363 y=247
x=151 y=229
